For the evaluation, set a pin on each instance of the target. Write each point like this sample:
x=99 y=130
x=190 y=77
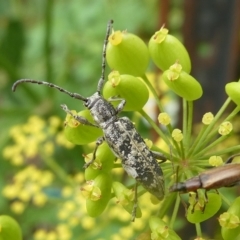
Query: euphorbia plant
x=190 y=153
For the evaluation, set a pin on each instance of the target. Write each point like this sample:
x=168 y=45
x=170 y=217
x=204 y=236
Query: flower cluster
x=192 y=152
x=33 y=137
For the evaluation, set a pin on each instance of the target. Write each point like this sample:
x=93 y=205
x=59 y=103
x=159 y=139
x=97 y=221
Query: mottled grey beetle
x=120 y=133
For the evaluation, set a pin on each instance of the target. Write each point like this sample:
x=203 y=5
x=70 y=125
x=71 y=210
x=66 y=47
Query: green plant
x=191 y=152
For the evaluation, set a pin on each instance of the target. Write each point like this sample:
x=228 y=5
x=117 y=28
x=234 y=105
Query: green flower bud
x=165 y=50
x=128 y=87
x=127 y=53
x=103 y=163
x=9 y=228
x=233 y=91
x=230 y=221
x=78 y=133
x=161 y=231
x=125 y=197
x=182 y=83
x=98 y=194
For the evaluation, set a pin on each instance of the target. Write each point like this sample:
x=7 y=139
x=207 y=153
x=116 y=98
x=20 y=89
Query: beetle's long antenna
x=73 y=95
x=101 y=80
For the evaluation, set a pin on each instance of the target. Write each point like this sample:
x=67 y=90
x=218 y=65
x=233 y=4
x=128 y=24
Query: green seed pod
x=165 y=50
x=128 y=87
x=127 y=53
x=103 y=163
x=233 y=91
x=232 y=232
x=9 y=228
x=125 y=197
x=78 y=133
x=160 y=230
x=98 y=194
x=182 y=83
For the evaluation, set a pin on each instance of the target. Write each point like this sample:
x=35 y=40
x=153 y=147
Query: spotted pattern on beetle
x=137 y=160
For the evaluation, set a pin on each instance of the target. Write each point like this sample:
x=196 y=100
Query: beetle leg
x=195 y=203
x=206 y=196
x=159 y=156
x=98 y=143
x=205 y=201
x=80 y=119
x=134 y=211
x=229 y=160
x=184 y=204
x=121 y=105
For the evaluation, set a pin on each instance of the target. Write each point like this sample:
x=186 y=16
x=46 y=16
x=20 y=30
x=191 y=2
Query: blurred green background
x=61 y=42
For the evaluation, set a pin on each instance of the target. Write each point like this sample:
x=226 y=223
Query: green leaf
x=211 y=208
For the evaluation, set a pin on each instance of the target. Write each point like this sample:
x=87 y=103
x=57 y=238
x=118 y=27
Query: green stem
x=224 y=151
x=185 y=119
x=47 y=42
x=198 y=229
x=175 y=211
x=232 y=114
x=144 y=77
x=215 y=131
x=154 y=125
x=58 y=170
x=196 y=141
x=199 y=145
x=182 y=150
x=206 y=149
x=224 y=199
x=189 y=124
x=166 y=204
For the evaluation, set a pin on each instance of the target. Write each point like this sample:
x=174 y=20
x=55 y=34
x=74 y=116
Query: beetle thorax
x=102 y=111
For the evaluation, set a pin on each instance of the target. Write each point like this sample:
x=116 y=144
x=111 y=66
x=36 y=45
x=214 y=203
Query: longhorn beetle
x=120 y=133
x=227 y=175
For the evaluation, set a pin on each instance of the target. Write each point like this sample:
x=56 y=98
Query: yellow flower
x=164 y=118
x=148 y=142
x=207 y=118
x=64 y=232
x=11 y=191
x=46 y=179
x=51 y=236
x=67 y=191
x=215 y=161
x=229 y=220
x=225 y=128
x=39 y=199
x=40 y=234
x=177 y=135
x=17 y=207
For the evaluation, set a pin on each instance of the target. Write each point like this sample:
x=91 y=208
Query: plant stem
x=189 y=123
x=222 y=138
x=224 y=151
x=175 y=211
x=199 y=145
x=57 y=169
x=153 y=92
x=154 y=125
x=198 y=229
